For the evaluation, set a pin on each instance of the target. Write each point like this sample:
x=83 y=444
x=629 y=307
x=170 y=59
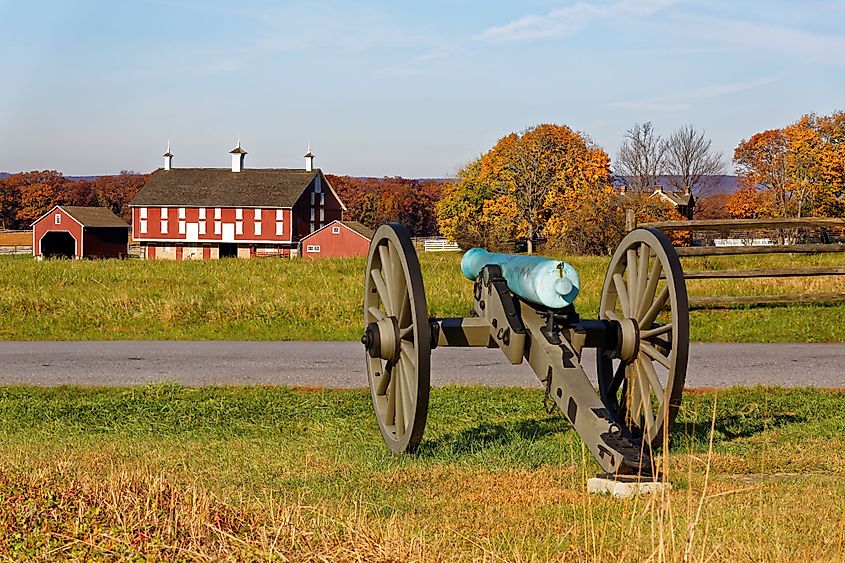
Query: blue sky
x=395 y=88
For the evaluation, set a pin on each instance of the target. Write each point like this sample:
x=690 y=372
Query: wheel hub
x=629 y=341
x=381 y=339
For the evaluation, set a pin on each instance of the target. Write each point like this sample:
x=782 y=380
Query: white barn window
x=164 y=226
x=322 y=215
x=181 y=212
x=142 y=212
x=258 y=228
x=239 y=214
x=201 y=229
x=218 y=227
x=217 y=213
x=202 y=213
x=335 y=230
x=280 y=228
x=239 y=228
x=313 y=248
x=58 y=219
x=142 y=224
x=181 y=227
x=256 y=214
x=164 y=213
x=280 y=215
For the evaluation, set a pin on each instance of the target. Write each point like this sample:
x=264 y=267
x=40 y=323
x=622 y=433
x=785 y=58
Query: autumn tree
x=117 y=192
x=691 y=163
x=512 y=188
x=641 y=159
x=373 y=201
x=802 y=166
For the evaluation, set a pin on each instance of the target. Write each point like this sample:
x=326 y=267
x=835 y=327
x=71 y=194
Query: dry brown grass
x=15 y=238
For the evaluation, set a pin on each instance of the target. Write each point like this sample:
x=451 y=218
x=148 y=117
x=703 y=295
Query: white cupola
x=309 y=160
x=168 y=158
x=238 y=155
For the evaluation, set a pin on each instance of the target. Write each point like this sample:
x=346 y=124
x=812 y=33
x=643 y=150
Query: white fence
x=440 y=245
x=16 y=250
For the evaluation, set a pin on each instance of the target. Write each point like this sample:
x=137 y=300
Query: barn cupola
x=238 y=155
x=309 y=160
x=168 y=158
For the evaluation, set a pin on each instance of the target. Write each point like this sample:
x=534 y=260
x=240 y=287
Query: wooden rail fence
x=745 y=225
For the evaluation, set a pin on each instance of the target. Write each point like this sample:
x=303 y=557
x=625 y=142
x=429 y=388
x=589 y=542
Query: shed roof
x=354 y=226
x=362 y=230
x=220 y=187
x=94 y=216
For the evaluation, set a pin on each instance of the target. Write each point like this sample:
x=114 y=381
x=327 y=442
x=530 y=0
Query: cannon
x=523 y=305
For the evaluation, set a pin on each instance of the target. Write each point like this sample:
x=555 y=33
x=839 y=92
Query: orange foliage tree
x=515 y=188
x=801 y=167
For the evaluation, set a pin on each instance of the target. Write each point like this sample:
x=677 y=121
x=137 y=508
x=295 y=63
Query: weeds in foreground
x=279 y=474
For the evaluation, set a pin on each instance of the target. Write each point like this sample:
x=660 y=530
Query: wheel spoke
x=376 y=312
x=386 y=269
x=633 y=386
x=407 y=333
x=383 y=379
x=650 y=287
x=622 y=292
x=408 y=383
x=652 y=353
x=399 y=401
x=390 y=415
x=381 y=288
x=655 y=308
x=652 y=332
x=642 y=275
x=653 y=380
x=611 y=315
x=399 y=288
x=633 y=283
x=645 y=404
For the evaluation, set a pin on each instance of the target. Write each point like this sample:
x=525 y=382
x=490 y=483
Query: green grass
x=271 y=299
x=245 y=473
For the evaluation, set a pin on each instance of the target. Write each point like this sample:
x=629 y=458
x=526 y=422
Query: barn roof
x=354 y=226
x=220 y=187
x=93 y=216
x=365 y=232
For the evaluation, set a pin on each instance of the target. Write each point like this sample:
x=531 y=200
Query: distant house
x=79 y=232
x=683 y=201
x=209 y=213
x=338 y=239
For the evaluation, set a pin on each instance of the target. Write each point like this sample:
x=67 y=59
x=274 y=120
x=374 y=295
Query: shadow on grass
x=487 y=435
x=737 y=426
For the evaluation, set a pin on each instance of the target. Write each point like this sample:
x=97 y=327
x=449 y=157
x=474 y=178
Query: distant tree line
x=26 y=196
x=373 y=201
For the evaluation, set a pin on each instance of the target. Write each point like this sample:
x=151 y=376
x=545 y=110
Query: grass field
x=273 y=299
x=168 y=472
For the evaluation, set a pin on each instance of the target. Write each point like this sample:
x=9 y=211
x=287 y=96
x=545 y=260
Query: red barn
x=338 y=238
x=208 y=213
x=79 y=232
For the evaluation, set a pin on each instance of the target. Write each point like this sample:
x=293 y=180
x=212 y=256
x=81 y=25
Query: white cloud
x=682 y=101
x=810 y=46
x=569 y=20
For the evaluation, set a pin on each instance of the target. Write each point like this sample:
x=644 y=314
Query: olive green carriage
x=641 y=339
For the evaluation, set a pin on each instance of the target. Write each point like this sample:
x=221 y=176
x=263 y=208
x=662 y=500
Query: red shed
x=79 y=232
x=338 y=238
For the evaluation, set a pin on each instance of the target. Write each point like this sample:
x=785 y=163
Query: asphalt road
x=340 y=364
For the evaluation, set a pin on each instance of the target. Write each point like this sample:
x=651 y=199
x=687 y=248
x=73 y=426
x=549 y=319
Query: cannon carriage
x=524 y=306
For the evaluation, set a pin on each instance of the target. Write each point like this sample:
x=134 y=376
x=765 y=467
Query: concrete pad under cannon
x=625 y=487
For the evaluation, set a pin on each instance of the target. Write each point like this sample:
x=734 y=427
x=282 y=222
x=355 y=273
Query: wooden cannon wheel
x=641 y=382
x=397 y=338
